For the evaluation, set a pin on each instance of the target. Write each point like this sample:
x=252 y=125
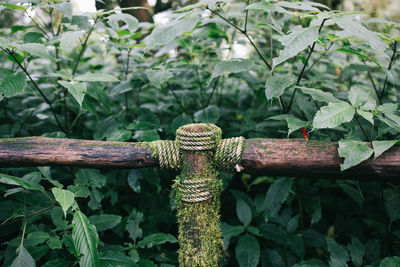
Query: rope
x=194 y=190
x=193 y=141
x=168 y=154
x=229 y=154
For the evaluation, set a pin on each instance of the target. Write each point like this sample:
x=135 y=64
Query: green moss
x=199 y=223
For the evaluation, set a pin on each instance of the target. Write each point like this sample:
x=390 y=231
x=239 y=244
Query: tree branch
x=394 y=48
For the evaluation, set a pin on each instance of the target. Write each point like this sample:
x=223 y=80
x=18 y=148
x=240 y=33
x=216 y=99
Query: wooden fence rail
x=262 y=156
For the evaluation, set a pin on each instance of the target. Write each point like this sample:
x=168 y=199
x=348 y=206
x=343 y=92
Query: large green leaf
x=37 y=50
x=247 y=251
x=362 y=98
x=76 y=89
x=338 y=254
x=295 y=42
x=294 y=124
x=392 y=203
x=156 y=239
x=275 y=233
x=353 y=28
x=356 y=250
x=96 y=77
x=13 y=84
x=12 y=180
x=382 y=146
x=277 y=195
x=243 y=211
x=105 y=221
x=131 y=21
x=85 y=240
x=319 y=95
x=134 y=178
x=231 y=66
x=23 y=259
x=333 y=115
x=69 y=39
x=209 y=114
x=115 y=259
x=276 y=85
x=390 y=262
x=166 y=33
x=64 y=197
x=353 y=152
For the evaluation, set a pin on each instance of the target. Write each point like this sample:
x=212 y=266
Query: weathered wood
x=314 y=159
x=263 y=156
x=39 y=151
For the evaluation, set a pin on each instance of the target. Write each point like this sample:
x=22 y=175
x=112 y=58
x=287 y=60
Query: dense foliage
x=276 y=69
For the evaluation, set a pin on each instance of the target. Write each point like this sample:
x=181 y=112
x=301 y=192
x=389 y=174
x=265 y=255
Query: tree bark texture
x=261 y=156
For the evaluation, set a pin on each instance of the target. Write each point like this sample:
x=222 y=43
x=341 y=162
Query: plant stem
x=176 y=98
x=319 y=58
x=245 y=34
x=212 y=92
x=374 y=86
x=304 y=67
x=362 y=128
x=11 y=53
x=394 y=47
x=83 y=48
x=245 y=20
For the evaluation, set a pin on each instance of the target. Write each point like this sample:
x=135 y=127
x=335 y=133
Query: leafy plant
x=257 y=69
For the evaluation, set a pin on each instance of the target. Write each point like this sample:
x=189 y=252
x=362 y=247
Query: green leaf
x=115 y=259
x=277 y=195
x=133 y=227
x=243 y=211
x=359 y=97
x=96 y=77
x=295 y=42
x=231 y=230
x=55 y=243
x=356 y=250
x=274 y=233
x=338 y=254
x=33 y=37
x=36 y=238
x=23 y=259
x=382 y=146
x=85 y=240
x=353 y=152
x=11 y=180
x=37 y=50
x=231 y=66
x=311 y=263
x=68 y=40
x=390 y=262
x=15 y=7
x=366 y=115
x=65 y=8
x=333 y=115
x=361 y=56
x=276 y=85
x=105 y=221
x=158 y=77
x=77 y=90
x=179 y=121
x=119 y=135
x=134 y=178
x=247 y=251
x=131 y=21
x=208 y=115
x=392 y=203
x=306 y=6
x=319 y=95
x=156 y=239
x=294 y=124
x=64 y=197
x=353 y=28
x=13 y=84
x=166 y=33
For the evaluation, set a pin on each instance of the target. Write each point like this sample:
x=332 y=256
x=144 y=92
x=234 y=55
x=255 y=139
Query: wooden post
x=197 y=190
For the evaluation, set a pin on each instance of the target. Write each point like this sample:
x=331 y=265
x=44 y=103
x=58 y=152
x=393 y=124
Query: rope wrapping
x=229 y=154
x=193 y=141
x=194 y=190
x=168 y=154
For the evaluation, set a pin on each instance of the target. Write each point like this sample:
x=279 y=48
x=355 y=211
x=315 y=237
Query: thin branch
x=176 y=98
x=304 y=67
x=362 y=128
x=247 y=15
x=212 y=92
x=245 y=34
x=11 y=53
x=374 y=86
x=29 y=215
x=390 y=66
x=319 y=58
x=83 y=48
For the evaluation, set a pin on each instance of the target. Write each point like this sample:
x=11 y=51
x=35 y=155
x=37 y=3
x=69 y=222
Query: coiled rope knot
x=194 y=190
x=194 y=141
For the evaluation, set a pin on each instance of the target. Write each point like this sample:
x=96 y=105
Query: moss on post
x=198 y=206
